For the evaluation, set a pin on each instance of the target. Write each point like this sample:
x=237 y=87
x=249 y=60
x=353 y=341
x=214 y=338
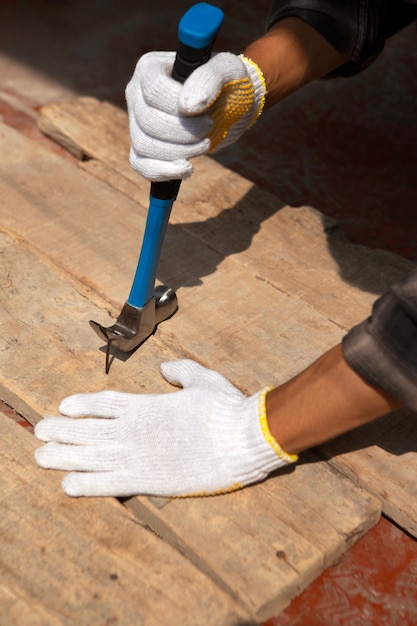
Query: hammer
x=148 y=305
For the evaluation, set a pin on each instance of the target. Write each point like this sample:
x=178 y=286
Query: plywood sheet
x=88 y=561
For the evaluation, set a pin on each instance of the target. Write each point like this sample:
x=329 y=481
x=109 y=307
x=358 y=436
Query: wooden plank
x=48 y=351
x=104 y=139
x=88 y=561
x=294 y=535
x=90 y=231
x=381 y=457
x=300 y=252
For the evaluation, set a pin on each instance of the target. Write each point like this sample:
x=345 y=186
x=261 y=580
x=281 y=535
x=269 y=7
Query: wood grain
x=62 y=254
x=303 y=254
x=284 y=532
x=88 y=561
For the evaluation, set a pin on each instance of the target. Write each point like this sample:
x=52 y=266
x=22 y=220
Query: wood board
x=46 y=302
x=299 y=251
x=48 y=350
x=92 y=232
x=284 y=537
x=382 y=458
x=88 y=561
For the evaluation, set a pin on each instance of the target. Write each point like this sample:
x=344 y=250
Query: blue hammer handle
x=197 y=31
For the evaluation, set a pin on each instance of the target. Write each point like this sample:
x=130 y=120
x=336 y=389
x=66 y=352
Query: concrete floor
x=346 y=147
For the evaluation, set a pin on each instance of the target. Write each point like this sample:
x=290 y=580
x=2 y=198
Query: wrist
x=327 y=399
x=291 y=54
x=266 y=432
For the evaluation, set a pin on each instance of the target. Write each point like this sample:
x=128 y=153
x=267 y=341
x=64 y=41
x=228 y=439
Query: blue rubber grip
x=199 y=26
x=156 y=224
x=197 y=31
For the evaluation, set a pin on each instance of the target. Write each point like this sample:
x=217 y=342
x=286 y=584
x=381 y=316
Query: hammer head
x=134 y=325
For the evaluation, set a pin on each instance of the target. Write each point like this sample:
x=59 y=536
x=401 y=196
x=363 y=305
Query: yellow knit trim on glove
x=284 y=456
x=217 y=492
x=263 y=81
x=233 y=102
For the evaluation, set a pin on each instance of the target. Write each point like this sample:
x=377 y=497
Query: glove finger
x=172 y=127
x=111 y=404
x=79 y=432
x=121 y=484
x=80 y=458
x=117 y=484
x=155 y=170
x=152 y=78
x=205 y=83
x=182 y=373
x=186 y=373
x=153 y=148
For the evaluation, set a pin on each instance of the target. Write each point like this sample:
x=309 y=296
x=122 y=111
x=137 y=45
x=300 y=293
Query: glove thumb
x=204 y=85
x=181 y=373
x=187 y=373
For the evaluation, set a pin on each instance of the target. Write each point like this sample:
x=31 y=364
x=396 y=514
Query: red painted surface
x=375 y=583
x=24 y=122
x=7 y=410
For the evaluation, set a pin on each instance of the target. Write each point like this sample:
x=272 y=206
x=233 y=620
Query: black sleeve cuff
x=357 y=28
x=383 y=348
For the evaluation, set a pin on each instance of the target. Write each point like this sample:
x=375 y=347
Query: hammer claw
x=134 y=325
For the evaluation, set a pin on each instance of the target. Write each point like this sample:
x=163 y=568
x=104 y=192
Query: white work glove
x=205 y=439
x=170 y=123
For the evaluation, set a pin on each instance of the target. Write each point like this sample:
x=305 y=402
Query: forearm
x=292 y=54
x=325 y=400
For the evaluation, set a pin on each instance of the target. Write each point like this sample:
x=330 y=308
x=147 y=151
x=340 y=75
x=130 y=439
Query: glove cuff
x=284 y=456
x=259 y=84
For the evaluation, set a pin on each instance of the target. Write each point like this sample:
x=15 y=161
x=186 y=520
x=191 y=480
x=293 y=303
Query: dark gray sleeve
x=383 y=348
x=358 y=28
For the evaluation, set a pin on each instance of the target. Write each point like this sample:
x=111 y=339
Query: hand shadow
x=194 y=250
